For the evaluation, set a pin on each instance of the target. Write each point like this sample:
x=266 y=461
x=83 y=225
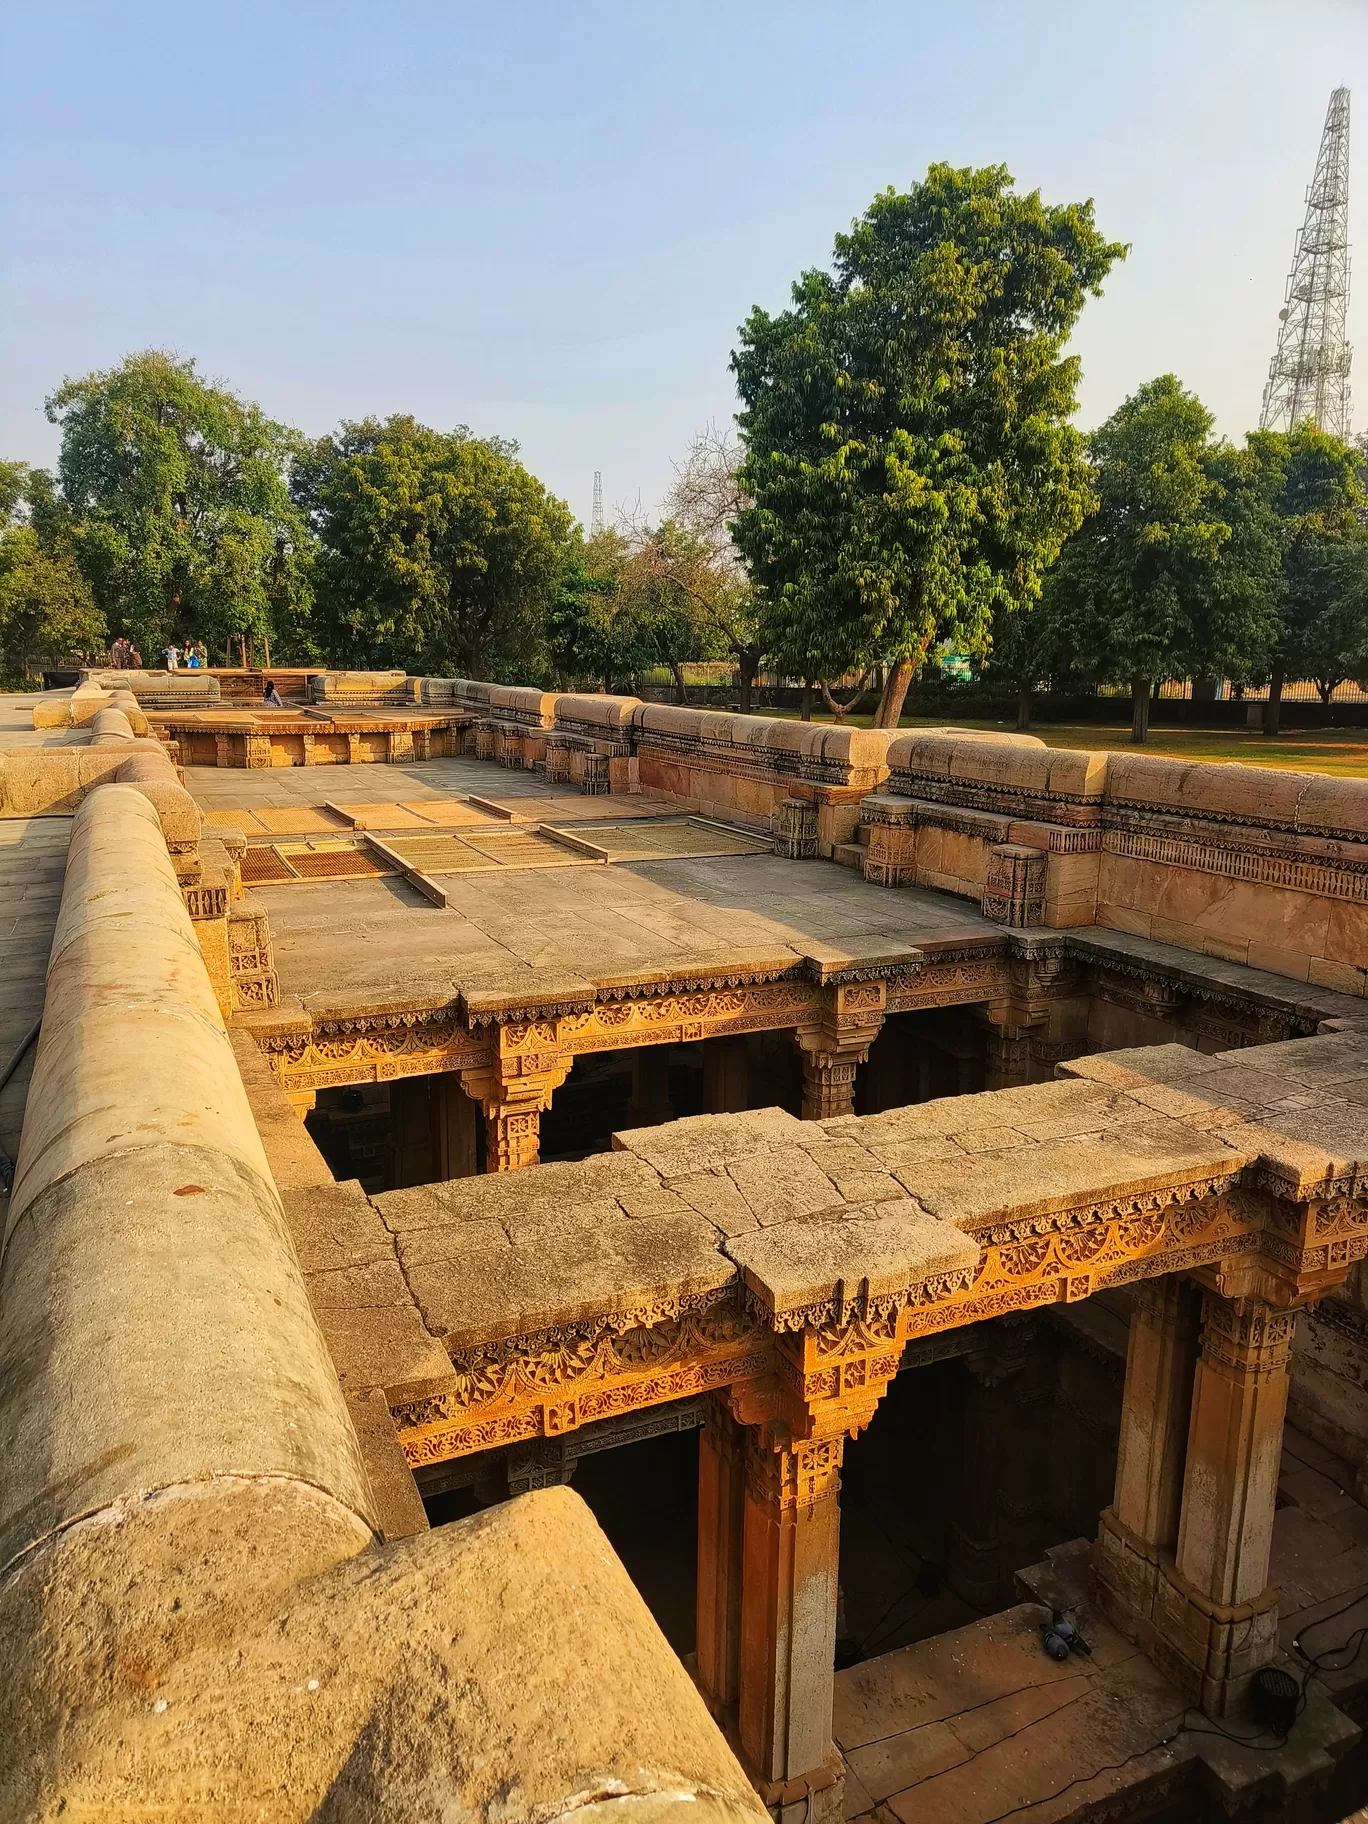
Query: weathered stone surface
x=868 y=1253
x=702 y=1142
x=634 y=1268
x=499 y=1666
x=1036 y=1180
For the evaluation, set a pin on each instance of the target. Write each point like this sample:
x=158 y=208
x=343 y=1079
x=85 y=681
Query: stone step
x=849 y=855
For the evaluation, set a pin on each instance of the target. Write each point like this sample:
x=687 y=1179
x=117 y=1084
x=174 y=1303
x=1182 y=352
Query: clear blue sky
x=546 y=220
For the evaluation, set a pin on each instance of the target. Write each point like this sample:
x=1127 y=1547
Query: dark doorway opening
x=645 y=1497
x=920 y=1056
x=390 y=1136
x=973 y=1468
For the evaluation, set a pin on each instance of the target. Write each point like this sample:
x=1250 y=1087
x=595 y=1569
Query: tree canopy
x=910 y=463
x=436 y=548
x=177 y=507
x=1205 y=559
x=47 y=614
x=1323 y=625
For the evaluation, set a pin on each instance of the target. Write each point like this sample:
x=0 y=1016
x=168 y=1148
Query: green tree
x=589 y=641
x=1176 y=573
x=47 y=613
x=909 y=457
x=1323 y=630
x=177 y=506
x=436 y=548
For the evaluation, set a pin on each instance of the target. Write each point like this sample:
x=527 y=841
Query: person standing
x=171 y=656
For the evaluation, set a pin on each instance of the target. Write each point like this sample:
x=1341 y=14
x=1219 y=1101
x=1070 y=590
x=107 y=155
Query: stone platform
x=979 y=1724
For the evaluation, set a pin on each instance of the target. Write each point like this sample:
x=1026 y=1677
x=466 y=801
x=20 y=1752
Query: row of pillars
x=1181 y=1560
x=434 y=1118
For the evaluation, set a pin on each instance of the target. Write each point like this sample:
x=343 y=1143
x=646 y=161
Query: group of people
x=192 y=656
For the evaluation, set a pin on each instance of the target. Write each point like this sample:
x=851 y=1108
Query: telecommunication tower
x=1309 y=375
x=596 y=517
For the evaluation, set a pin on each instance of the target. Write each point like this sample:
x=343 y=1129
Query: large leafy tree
x=178 y=511
x=47 y=614
x=436 y=548
x=1323 y=629
x=909 y=458
x=1176 y=574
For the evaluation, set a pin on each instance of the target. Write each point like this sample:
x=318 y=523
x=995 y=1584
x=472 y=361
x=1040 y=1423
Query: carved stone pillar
x=1007 y=1057
x=456 y=1126
x=852 y=1017
x=726 y=1072
x=514 y=1090
x=413 y=1133
x=828 y=1084
x=512 y=1139
x=790 y=1546
x=795 y=829
x=976 y=1568
x=721 y=1512
x=1141 y=1525
x=1215 y=1616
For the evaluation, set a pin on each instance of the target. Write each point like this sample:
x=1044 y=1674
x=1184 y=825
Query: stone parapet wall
x=158 y=689
x=197 y=1611
x=46 y=782
x=364 y=688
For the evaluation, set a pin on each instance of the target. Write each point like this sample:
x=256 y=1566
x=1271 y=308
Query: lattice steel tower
x=596 y=517
x=1309 y=375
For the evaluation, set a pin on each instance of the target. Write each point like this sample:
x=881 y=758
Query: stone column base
x=818 y=1797
x=1209 y=1650
x=1125 y=1574
x=974 y=1571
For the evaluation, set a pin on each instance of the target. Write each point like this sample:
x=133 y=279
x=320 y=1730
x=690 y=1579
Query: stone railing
x=53 y=781
x=157 y=689
x=364 y=689
x=193 y=1592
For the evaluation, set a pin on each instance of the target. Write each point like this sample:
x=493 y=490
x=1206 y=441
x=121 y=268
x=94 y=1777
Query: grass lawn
x=1310 y=750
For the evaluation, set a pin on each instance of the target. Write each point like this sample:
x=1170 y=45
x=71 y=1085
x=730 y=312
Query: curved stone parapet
x=197 y=1614
x=184 y=1288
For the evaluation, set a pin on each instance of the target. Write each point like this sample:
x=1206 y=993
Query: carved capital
x=791 y=1480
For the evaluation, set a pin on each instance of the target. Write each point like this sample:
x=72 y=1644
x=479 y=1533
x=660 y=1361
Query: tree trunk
x=681 y=690
x=841 y=710
x=267 y=644
x=894 y=694
x=1273 y=708
x=807 y=700
x=748 y=663
x=1140 y=708
x=1024 y=707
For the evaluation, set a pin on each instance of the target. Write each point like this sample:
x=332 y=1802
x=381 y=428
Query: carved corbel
x=851 y=1017
x=514 y=1090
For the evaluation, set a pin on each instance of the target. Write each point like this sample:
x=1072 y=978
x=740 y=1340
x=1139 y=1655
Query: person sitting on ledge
x=270 y=697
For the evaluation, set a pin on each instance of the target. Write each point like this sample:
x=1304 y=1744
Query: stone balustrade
x=196 y=1605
